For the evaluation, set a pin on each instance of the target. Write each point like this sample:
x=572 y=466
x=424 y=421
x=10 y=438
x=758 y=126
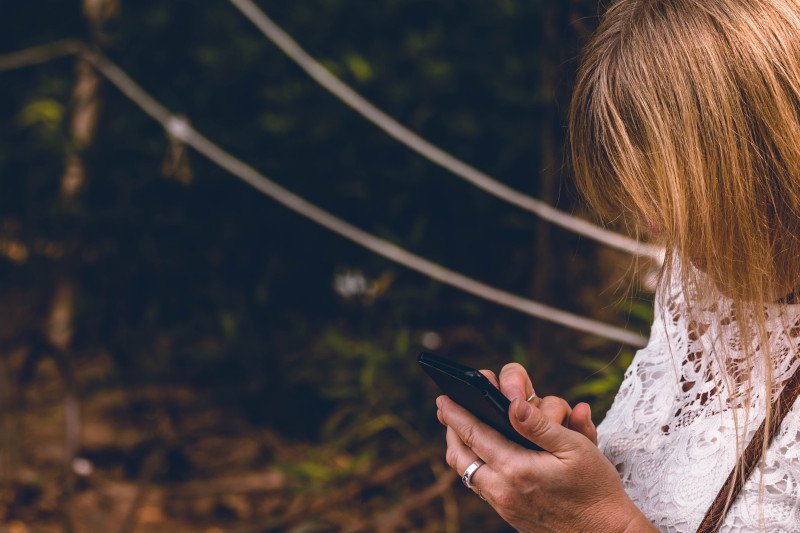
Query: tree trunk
x=85 y=111
x=547 y=255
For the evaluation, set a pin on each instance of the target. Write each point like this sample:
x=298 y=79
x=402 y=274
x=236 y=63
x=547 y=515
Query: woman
x=685 y=119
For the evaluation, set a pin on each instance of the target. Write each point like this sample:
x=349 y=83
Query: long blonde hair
x=686 y=116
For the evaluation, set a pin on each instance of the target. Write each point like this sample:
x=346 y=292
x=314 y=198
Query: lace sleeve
x=672 y=430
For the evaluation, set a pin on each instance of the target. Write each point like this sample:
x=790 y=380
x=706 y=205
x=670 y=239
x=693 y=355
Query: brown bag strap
x=712 y=521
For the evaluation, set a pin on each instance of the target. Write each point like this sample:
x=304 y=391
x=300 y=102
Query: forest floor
x=163 y=459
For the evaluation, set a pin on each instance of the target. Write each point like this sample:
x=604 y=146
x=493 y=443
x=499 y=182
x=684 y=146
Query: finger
x=533 y=424
x=491 y=377
x=459 y=457
x=587 y=427
x=580 y=420
x=487 y=443
x=514 y=382
x=439 y=413
x=556 y=409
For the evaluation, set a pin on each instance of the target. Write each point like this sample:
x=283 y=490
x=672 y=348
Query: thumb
x=531 y=423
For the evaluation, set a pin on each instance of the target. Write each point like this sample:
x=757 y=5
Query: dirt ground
x=161 y=459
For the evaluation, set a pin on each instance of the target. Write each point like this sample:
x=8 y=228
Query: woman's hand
x=569 y=487
x=514 y=383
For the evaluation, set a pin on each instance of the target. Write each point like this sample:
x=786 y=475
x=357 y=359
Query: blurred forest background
x=180 y=353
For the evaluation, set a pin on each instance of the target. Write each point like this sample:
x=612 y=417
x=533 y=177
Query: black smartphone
x=471 y=390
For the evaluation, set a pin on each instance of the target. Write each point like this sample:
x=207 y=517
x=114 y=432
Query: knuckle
x=583 y=446
x=539 y=425
x=451 y=456
x=503 y=498
x=505 y=467
x=516 y=477
x=468 y=434
x=554 y=401
x=556 y=405
x=565 y=405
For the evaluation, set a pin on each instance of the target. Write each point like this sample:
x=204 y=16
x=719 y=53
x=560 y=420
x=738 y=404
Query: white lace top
x=670 y=431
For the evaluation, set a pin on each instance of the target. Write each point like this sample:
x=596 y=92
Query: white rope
x=350 y=97
x=39 y=54
x=181 y=129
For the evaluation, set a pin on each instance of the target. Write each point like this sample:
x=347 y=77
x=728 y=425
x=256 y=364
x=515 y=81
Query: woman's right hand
x=514 y=383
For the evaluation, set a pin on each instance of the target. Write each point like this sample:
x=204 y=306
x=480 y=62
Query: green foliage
x=638 y=310
x=46 y=113
x=605 y=377
x=603 y=383
x=359 y=67
x=325 y=467
x=379 y=396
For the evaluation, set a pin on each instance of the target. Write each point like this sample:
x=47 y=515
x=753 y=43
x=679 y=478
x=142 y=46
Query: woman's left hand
x=569 y=487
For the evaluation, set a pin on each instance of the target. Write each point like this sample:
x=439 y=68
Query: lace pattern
x=671 y=432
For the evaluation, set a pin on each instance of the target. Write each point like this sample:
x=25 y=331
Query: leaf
x=597 y=387
x=46 y=113
x=519 y=354
x=359 y=67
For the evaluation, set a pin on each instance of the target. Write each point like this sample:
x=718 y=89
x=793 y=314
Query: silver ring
x=470 y=471
x=531 y=397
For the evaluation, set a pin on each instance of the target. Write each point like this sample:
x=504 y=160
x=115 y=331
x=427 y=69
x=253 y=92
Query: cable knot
x=178 y=127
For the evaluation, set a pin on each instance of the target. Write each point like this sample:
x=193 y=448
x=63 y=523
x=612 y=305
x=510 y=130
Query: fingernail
x=439 y=402
x=523 y=411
